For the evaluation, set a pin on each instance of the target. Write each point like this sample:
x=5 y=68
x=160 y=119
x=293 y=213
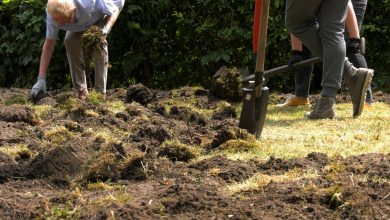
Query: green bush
x=167 y=44
x=376 y=29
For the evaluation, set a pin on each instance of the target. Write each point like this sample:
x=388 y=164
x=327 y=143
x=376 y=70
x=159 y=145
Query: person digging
x=76 y=17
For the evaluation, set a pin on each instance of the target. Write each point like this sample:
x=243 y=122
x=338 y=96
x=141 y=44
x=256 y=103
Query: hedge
x=168 y=44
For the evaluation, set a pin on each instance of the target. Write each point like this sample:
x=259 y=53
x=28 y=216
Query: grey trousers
x=319 y=24
x=74 y=53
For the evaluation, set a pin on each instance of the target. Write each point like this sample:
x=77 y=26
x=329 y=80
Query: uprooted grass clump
x=134 y=167
x=93 y=40
x=177 y=151
x=101 y=167
x=18 y=152
x=227 y=84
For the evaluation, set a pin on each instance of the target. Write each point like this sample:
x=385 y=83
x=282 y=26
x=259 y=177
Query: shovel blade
x=248 y=112
x=254 y=110
x=260 y=111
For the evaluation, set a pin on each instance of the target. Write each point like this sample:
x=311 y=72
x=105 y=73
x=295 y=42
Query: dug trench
x=140 y=153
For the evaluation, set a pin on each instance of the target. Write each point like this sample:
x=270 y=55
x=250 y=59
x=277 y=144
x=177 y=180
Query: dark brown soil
x=87 y=160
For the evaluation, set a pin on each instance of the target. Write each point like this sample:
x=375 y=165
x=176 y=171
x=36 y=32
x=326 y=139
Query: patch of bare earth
x=88 y=160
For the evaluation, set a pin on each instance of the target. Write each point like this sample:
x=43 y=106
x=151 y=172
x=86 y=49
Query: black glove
x=296 y=56
x=354 y=55
x=353 y=46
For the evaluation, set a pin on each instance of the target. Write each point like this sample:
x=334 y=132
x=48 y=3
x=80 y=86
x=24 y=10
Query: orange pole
x=256 y=25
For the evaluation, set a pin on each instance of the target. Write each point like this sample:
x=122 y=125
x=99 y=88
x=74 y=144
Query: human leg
x=303 y=19
x=75 y=58
x=101 y=68
x=353 y=55
x=302 y=76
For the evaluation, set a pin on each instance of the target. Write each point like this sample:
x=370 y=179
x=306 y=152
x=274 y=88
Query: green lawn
x=287 y=134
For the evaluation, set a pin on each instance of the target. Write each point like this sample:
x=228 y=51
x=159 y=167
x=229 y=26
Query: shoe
x=294 y=101
x=368 y=105
x=83 y=94
x=324 y=108
x=357 y=81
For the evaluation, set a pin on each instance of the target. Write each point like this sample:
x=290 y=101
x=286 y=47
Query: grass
x=261 y=181
x=287 y=134
x=18 y=152
x=17 y=99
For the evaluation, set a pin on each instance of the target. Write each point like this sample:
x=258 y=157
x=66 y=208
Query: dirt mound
x=370 y=164
x=149 y=154
x=116 y=211
x=17 y=113
x=225 y=113
x=187 y=115
x=140 y=94
x=228 y=170
x=276 y=165
x=62 y=160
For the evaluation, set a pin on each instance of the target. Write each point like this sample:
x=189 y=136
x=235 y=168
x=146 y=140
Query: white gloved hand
x=105 y=30
x=40 y=86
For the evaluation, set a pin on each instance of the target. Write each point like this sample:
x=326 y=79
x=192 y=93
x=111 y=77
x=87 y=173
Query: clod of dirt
x=201 y=92
x=157 y=132
x=133 y=168
x=237 y=145
x=6 y=159
x=176 y=151
x=73 y=126
x=101 y=167
x=227 y=133
x=226 y=84
x=228 y=170
x=373 y=165
x=82 y=112
x=123 y=115
x=160 y=110
x=17 y=113
x=227 y=112
x=116 y=148
x=47 y=101
x=136 y=109
x=334 y=197
x=140 y=94
x=320 y=158
x=278 y=164
x=93 y=39
x=187 y=115
x=61 y=161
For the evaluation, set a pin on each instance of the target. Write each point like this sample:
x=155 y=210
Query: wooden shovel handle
x=262 y=36
x=256 y=25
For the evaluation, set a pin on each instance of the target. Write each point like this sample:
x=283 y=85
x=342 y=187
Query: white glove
x=105 y=30
x=40 y=86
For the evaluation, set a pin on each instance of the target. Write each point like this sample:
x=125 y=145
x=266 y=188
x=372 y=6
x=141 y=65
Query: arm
x=110 y=20
x=47 y=52
x=296 y=44
x=351 y=23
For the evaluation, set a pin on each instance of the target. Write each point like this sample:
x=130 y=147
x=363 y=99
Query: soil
x=89 y=160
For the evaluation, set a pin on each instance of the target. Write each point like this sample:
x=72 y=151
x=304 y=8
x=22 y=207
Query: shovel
x=255 y=101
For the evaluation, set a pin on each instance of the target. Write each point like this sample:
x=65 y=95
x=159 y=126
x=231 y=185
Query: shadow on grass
x=293 y=115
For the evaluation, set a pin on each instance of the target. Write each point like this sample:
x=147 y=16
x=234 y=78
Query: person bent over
x=75 y=17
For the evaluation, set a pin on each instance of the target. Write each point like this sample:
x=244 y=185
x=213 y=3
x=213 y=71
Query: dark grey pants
x=302 y=75
x=319 y=24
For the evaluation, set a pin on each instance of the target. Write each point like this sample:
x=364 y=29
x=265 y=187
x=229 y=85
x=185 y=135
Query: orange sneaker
x=294 y=101
x=368 y=105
